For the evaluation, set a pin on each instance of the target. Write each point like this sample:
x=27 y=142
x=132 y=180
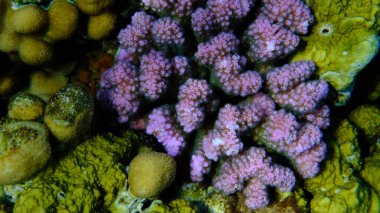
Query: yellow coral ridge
x=150 y=173
x=343 y=40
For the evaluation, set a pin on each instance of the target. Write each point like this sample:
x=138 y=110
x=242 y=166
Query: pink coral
x=216 y=48
x=223 y=139
x=290 y=88
x=294 y=14
x=300 y=143
x=179 y=8
x=155 y=69
x=202 y=22
x=200 y=165
x=118 y=90
x=167 y=31
x=305 y=97
x=284 y=78
x=224 y=11
x=162 y=125
x=183 y=8
x=279 y=129
x=180 y=65
x=228 y=72
x=135 y=37
x=255 y=166
x=192 y=95
x=307 y=163
x=268 y=41
x=320 y=117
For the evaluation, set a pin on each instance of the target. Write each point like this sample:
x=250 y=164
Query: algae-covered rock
x=84 y=180
x=24 y=150
x=342 y=42
x=208 y=199
x=68 y=114
x=336 y=188
x=26 y=107
x=150 y=173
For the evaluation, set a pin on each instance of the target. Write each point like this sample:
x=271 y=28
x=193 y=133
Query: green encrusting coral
x=367 y=119
x=343 y=40
x=85 y=180
x=338 y=188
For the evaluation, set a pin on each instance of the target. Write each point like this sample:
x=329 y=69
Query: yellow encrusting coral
x=24 y=149
x=150 y=173
x=337 y=188
x=367 y=119
x=81 y=179
x=343 y=40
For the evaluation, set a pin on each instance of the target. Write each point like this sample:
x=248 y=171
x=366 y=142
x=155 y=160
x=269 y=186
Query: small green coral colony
x=61 y=149
x=147 y=165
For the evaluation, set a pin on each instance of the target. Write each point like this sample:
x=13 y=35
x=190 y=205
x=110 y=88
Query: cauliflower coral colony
x=189 y=106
